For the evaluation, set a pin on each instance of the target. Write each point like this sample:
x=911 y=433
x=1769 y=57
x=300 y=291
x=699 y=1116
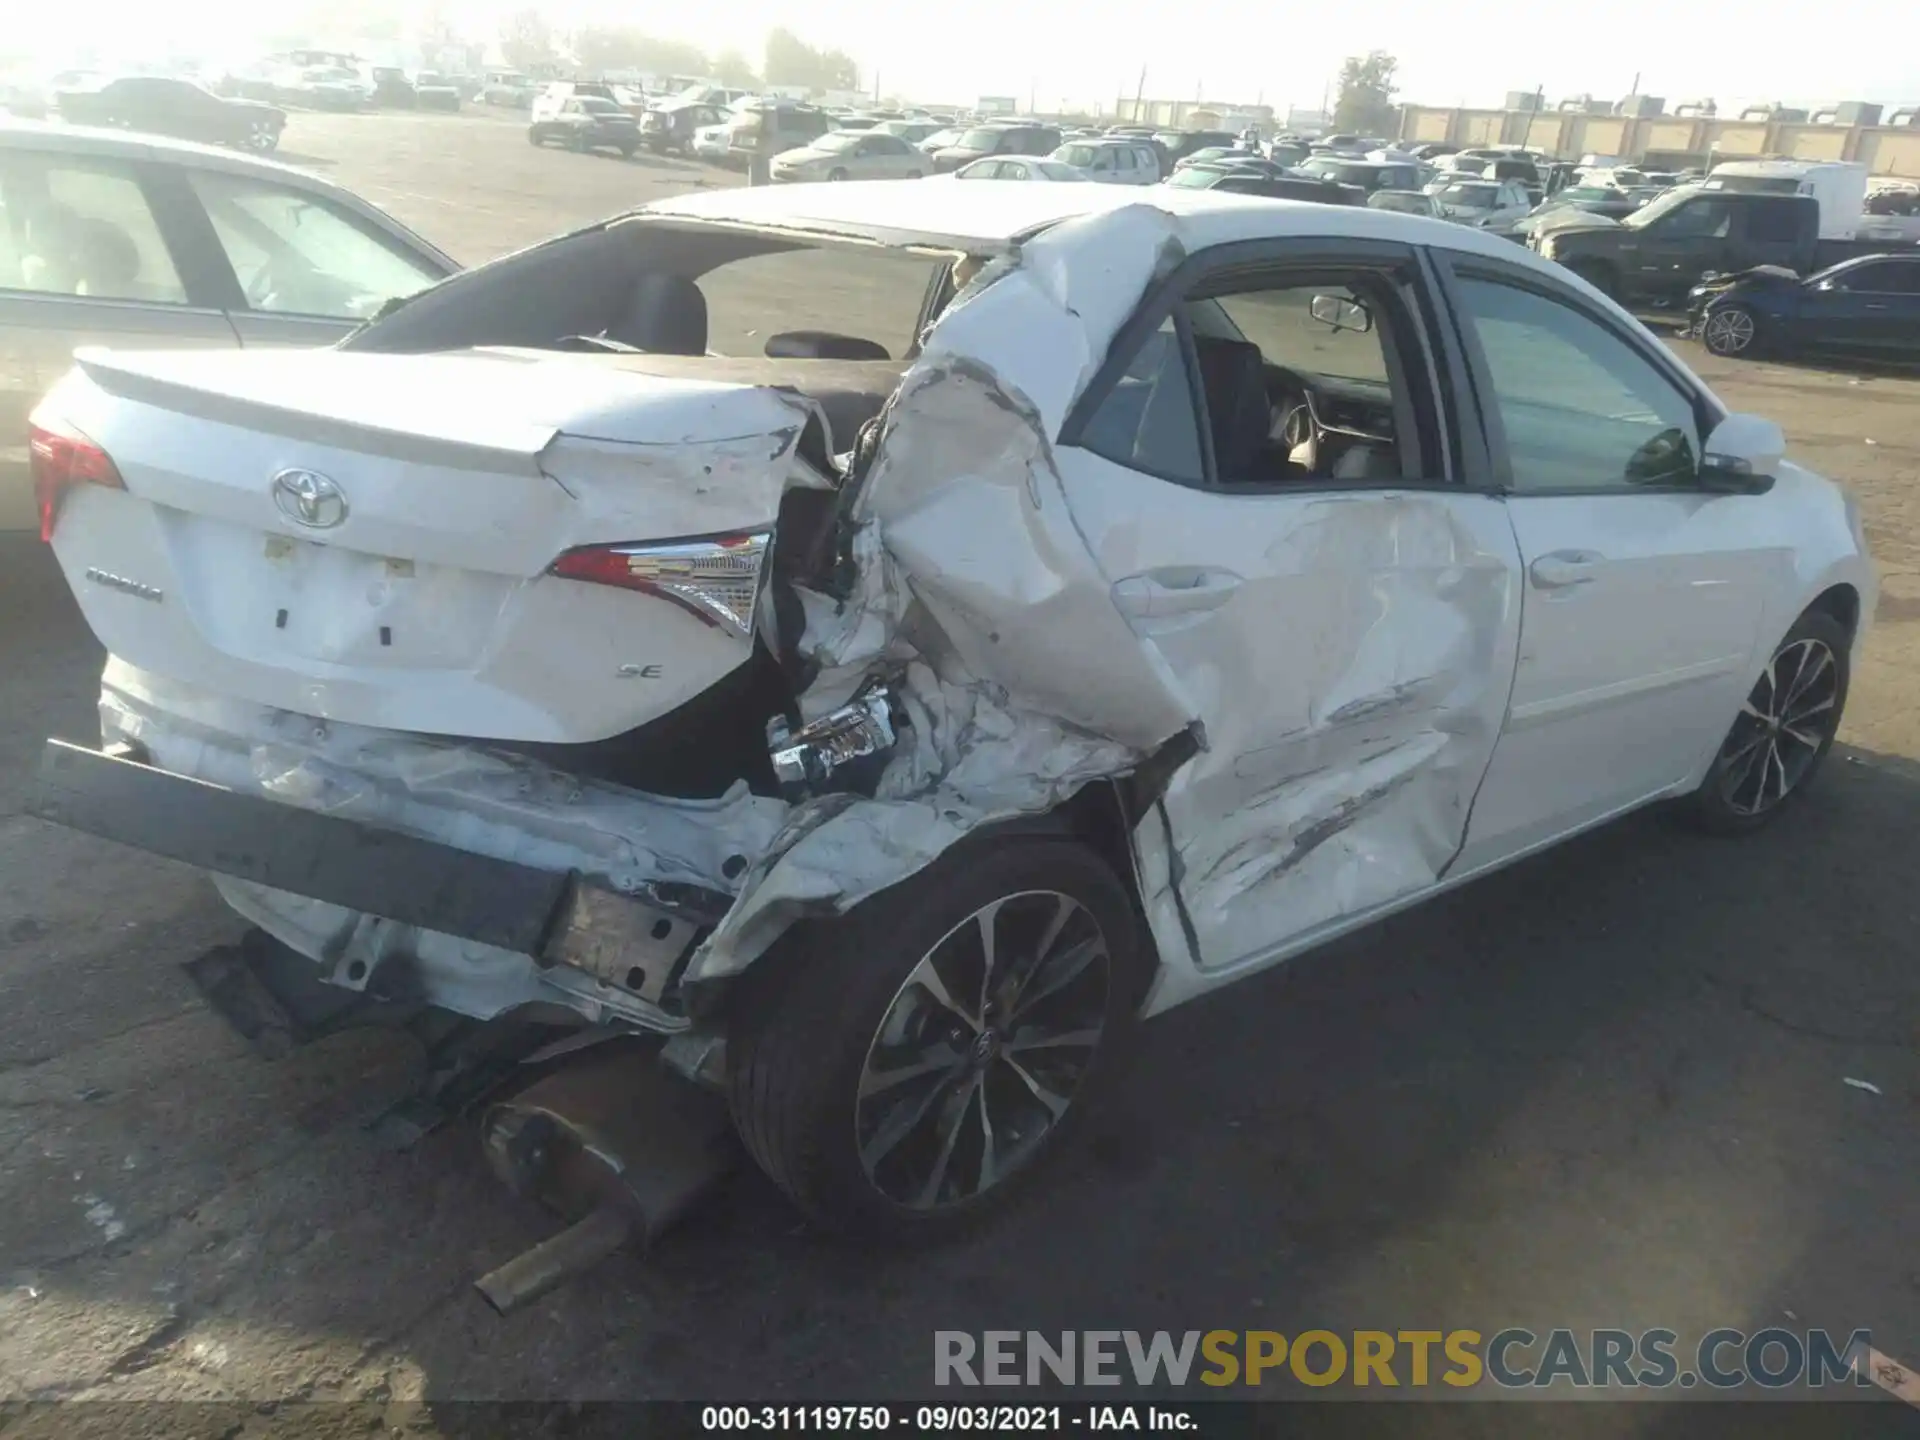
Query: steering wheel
x=265 y=284
x=1294 y=426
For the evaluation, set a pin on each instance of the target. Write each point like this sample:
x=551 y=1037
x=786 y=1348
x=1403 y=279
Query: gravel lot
x=1602 y=1088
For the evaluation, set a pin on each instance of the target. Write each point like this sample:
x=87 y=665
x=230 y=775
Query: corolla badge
x=309 y=498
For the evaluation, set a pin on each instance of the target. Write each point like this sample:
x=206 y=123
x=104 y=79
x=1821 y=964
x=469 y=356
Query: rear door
x=1643 y=592
x=1344 y=628
x=92 y=252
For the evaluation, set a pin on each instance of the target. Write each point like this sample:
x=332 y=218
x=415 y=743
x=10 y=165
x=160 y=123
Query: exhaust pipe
x=618 y=1146
x=550 y=1264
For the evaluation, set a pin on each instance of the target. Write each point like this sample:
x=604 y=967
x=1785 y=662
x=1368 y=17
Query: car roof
x=122 y=144
x=992 y=215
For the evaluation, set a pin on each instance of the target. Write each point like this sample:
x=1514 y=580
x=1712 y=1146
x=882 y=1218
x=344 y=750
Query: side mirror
x=1743 y=455
x=1340 y=313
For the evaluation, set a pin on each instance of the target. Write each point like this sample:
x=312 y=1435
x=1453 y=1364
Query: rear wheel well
x=1842 y=602
x=1095 y=816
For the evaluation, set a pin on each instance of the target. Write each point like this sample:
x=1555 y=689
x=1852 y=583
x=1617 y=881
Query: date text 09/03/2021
x=938 y=1419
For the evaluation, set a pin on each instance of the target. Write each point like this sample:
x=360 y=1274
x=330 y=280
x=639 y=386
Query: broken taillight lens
x=60 y=457
x=717 y=577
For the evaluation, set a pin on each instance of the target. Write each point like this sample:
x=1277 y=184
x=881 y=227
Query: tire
x=1787 y=725
x=627 y=151
x=534 y=137
x=836 y=174
x=913 y=174
x=1730 y=331
x=263 y=137
x=806 y=1037
x=1597 y=275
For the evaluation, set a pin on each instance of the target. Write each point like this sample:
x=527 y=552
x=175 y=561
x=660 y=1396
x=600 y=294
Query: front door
x=1667 y=257
x=1643 y=592
x=308 y=270
x=1875 y=305
x=83 y=261
x=1339 y=611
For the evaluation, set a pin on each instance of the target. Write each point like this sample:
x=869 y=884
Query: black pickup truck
x=1658 y=253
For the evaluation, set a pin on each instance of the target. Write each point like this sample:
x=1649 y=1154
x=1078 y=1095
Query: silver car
x=134 y=241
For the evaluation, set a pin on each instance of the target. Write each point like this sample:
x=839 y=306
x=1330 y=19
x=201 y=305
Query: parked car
x=508 y=89
x=1493 y=205
x=24 y=97
x=852 y=155
x=941 y=138
x=1604 y=200
x=712 y=142
x=552 y=97
x=1366 y=175
x=1867 y=307
x=1178 y=144
x=672 y=128
x=156 y=105
x=770 y=128
x=911 y=131
x=980 y=141
x=585 y=123
x=1018 y=167
x=1209 y=153
x=1405 y=202
x=458 y=611
x=1342 y=144
x=1662 y=250
x=330 y=87
x=242 y=251
x=1112 y=162
x=391 y=88
x=1243 y=180
x=434 y=91
x=1289 y=153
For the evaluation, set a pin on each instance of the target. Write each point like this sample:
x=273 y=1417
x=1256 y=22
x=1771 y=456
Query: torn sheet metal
x=490 y=803
x=973 y=585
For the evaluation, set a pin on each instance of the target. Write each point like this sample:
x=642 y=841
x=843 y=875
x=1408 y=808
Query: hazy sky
x=1239 y=50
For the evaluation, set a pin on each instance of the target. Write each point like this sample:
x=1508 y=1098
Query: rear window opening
x=681 y=290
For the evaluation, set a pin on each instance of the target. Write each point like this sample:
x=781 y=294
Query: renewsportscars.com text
x=1770 y=1359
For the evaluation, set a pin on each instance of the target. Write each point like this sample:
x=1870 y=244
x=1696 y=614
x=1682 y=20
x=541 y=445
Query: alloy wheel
x=1728 y=331
x=982 y=1050
x=261 y=137
x=1782 y=729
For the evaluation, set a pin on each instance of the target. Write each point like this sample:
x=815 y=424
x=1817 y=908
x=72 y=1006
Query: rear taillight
x=60 y=458
x=717 y=577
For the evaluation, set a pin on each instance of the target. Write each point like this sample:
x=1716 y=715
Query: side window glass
x=1697 y=220
x=1772 y=223
x=81 y=229
x=294 y=254
x=1147 y=422
x=1582 y=409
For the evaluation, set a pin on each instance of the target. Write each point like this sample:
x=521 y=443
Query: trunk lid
x=370 y=537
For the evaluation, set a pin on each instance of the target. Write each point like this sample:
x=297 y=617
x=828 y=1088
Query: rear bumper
x=341 y=861
x=400 y=916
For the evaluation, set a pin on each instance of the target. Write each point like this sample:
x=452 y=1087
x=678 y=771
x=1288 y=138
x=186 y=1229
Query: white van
x=1839 y=185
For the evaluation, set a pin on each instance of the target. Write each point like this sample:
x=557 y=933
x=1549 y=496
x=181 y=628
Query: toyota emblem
x=310 y=499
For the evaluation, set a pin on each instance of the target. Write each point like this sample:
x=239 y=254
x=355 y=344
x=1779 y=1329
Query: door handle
x=1563 y=569
x=1174 y=592
x=1879 y=307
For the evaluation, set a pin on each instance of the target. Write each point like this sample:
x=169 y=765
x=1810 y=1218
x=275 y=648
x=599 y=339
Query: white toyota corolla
x=892 y=722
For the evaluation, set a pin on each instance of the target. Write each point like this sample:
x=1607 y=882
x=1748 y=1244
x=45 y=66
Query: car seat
x=1233 y=376
x=665 y=315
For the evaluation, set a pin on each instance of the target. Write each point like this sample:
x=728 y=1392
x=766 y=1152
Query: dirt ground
x=1607 y=1087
